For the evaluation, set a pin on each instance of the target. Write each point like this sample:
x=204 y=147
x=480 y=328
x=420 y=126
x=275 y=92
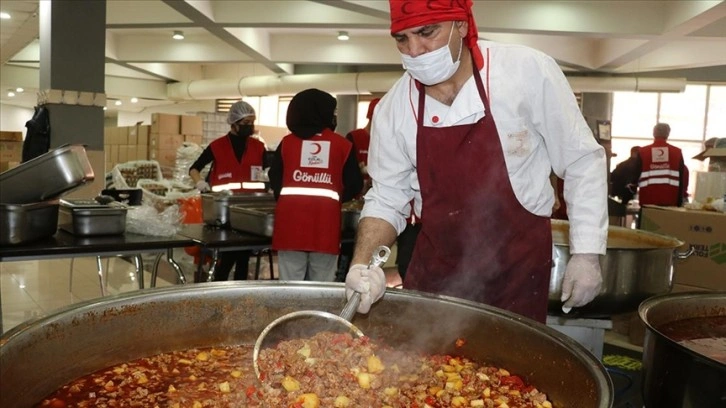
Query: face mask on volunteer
x=245 y=130
x=433 y=67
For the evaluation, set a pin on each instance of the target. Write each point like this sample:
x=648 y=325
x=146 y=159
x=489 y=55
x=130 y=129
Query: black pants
x=405 y=242
x=228 y=259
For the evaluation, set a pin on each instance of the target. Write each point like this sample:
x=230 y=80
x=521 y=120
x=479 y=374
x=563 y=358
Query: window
x=684 y=112
x=716 y=117
x=634 y=114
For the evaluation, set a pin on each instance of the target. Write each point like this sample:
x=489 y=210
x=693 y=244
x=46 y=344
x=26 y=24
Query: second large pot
x=637 y=265
x=37 y=357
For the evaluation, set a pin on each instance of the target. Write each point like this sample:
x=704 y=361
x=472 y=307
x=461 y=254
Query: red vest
x=660 y=177
x=226 y=169
x=307 y=214
x=361 y=141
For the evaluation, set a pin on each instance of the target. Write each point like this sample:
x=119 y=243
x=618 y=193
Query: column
x=72 y=58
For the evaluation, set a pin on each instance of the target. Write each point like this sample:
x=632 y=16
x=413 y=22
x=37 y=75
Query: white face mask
x=433 y=67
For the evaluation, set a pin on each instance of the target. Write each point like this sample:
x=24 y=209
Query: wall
x=13 y=118
x=132 y=118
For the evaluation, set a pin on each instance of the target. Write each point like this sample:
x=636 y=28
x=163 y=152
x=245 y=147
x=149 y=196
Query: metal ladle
x=305 y=323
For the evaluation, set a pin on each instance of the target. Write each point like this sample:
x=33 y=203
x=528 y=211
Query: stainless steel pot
x=39 y=356
x=637 y=265
x=215 y=206
x=673 y=375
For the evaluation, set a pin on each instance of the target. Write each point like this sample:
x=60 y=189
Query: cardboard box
x=11 y=151
x=165 y=157
x=122 y=136
x=142 y=152
x=11 y=136
x=705 y=231
x=143 y=135
x=193 y=139
x=716 y=158
x=7 y=165
x=165 y=123
x=161 y=141
x=192 y=125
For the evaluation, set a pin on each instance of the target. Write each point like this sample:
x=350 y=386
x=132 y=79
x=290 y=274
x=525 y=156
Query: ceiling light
x=134 y=100
x=117 y=103
x=11 y=94
x=343 y=36
x=178 y=35
x=105 y=108
x=4 y=16
x=19 y=90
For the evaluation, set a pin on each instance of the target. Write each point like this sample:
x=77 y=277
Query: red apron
x=478 y=242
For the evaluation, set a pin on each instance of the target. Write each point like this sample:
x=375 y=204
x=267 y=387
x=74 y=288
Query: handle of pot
x=685 y=254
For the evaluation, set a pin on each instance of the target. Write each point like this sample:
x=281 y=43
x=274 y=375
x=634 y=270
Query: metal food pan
x=21 y=223
x=349 y=219
x=215 y=206
x=260 y=221
x=47 y=176
x=88 y=218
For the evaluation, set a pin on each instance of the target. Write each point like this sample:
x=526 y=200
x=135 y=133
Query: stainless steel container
x=39 y=356
x=88 y=218
x=46 y=176
x=215 y=206
x=673 y=375
x=636 y=266
x=349 y=220
x=260 y=221
x=22 y=223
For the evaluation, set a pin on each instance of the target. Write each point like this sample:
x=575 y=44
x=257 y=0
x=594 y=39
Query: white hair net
x=239 y=111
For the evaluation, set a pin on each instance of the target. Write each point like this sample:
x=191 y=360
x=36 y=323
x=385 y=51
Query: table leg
x=215 y=258
x=101 y=277
x=179 y=273
x=155 y=269
x=139 y=265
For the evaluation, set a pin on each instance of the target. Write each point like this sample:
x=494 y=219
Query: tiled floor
x=31 y=289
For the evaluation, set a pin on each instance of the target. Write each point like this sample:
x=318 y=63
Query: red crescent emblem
x=317 y=149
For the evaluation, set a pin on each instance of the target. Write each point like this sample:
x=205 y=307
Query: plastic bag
x=147 y=220
x=186 y=155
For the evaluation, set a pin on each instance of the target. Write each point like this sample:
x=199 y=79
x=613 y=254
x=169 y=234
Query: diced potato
x=341 y=402
x=375 y=365
x=390 y=391
x=225 y=388
x=459 y=401
x=482 y=376
x=185 y=361
x=236 y=373
x=218 y=353
x=364 y=380
x=476 y=403
x=454 y=385
x=119 y=370
x=487 y=392
x=290 y=384
x=448 y=368
x=141 y=379
x=109 y=386
x=504 y=373
x=309 y=401
x=171 y=388
x=203 y=356
x=197 y=404
x=433 y=390
x=547 y=404
x=304 y=351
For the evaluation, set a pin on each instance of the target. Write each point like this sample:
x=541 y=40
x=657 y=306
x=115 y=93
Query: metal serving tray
x=215 y=206
x=89 y=218
x=349 y=219
x=21 y=223
x=260 y=221
x=47 y=176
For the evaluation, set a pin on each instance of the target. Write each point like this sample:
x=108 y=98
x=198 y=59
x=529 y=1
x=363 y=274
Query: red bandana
x=415 y=13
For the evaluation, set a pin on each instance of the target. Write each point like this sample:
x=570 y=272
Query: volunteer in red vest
x=470 y=133
x=663 y=177
x=361 y=138
x=313 y=172
x=237 y=162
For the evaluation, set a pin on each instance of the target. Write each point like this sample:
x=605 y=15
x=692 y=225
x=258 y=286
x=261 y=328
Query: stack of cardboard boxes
x=158 y=141
x=11 y=149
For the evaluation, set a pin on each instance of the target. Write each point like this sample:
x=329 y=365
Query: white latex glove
x=370 y=283
x=582 y=281
x=202 y=186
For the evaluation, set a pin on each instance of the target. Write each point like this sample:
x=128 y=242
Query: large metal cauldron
x=673 y=375
x=637 y=265
x=39 y=356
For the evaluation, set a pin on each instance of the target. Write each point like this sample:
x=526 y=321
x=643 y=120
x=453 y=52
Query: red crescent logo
x=318 y=148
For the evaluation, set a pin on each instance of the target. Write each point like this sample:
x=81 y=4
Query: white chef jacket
x=540 y=127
